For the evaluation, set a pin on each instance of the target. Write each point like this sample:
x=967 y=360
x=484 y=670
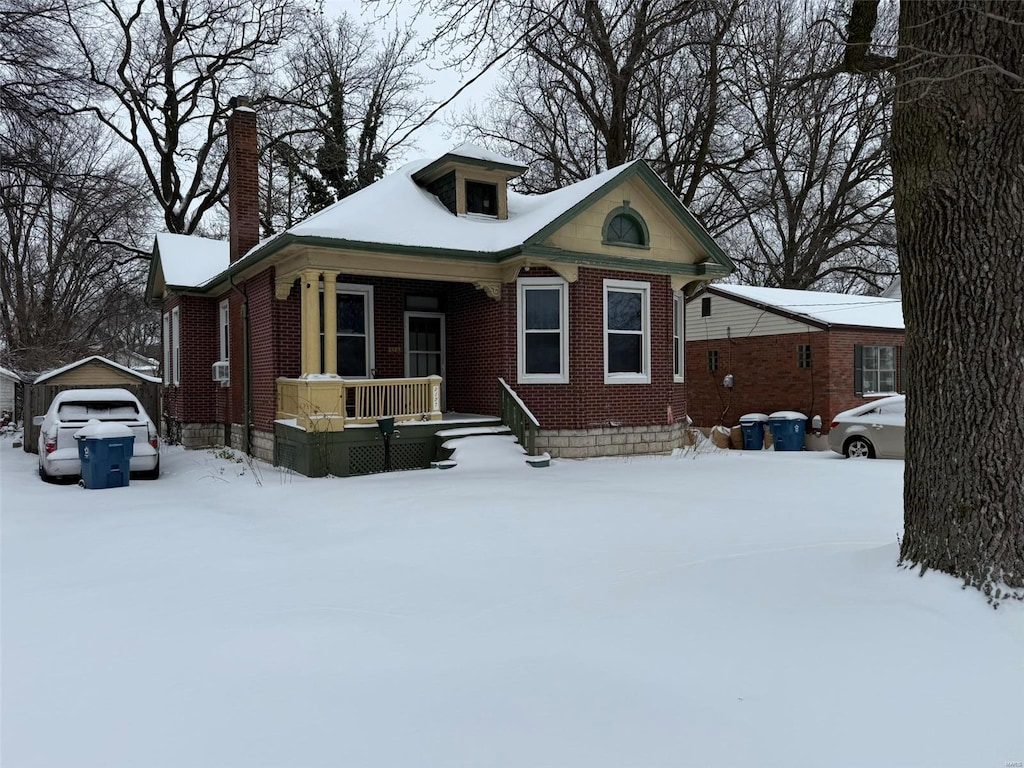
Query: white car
x=73 y=409
x=873 y=430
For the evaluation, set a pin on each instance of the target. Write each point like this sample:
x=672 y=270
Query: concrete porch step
x=446 y=434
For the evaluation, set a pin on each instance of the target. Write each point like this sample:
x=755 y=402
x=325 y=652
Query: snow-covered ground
x=711 y=609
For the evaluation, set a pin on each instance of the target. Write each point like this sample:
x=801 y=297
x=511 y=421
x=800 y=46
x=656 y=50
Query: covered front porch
x=329 y=403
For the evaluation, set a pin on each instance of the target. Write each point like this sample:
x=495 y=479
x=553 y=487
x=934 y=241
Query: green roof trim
x=428 y=170
x=625 y=263
x=664 y=194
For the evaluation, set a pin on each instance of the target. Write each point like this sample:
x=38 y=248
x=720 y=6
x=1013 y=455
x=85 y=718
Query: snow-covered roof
x=831 y=308
x=476 y=152
x=895 y=289
x=95 y=358
x=370 y=215
x=190 y=260
x=9 y=374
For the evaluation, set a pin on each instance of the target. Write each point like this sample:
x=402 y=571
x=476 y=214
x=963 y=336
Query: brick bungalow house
x=812 y=352
x=436 y=291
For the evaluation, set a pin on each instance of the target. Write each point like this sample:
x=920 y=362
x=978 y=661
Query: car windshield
x=104 y=410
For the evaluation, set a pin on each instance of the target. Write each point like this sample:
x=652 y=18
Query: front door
x=425 y=347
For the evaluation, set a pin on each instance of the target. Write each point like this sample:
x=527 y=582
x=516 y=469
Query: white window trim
x=224 y=330
x=523 y=284
x=679 y=336
x=367 y=292
x=644 y=289
x=167 y=348
x=176 y=346
x=878 y=371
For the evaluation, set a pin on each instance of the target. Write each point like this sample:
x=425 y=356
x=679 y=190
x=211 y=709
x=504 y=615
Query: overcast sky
x=432 y=140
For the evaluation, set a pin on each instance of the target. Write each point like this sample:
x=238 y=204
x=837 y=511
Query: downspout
x=246 y=369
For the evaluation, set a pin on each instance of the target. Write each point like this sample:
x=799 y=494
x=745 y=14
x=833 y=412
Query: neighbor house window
x=803 y=356
x=167 y=348
x=543 y=324
x=624 y=226
x=627 y=332
x=875 y=369
x=713 y=360
x=678 y=312
x=355 y=331
x=223 y=325
x=705 y=307
x=176 y=346
x=481 y=198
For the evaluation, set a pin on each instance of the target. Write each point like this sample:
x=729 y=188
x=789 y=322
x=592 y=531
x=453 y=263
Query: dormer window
x=481 y=198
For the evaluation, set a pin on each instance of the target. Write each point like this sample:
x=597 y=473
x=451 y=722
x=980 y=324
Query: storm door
x=425 y=347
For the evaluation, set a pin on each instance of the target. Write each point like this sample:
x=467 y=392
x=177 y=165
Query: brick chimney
x=243 y=178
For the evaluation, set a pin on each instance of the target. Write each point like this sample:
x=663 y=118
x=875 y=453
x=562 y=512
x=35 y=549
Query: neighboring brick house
x=443 y=282
x=807 y=351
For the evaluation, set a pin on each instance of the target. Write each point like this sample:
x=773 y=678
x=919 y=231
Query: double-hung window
x=223 y=332
x=355 y=331
x=176 y=346
x=167 y=348
x=678 y=313
x=543 y=314
x=876 y=369
x=627 y=332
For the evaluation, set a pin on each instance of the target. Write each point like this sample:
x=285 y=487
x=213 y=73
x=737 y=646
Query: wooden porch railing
x=329 y=404
x=517 y=417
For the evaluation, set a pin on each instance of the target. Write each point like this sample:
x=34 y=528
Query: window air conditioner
x=222 y=372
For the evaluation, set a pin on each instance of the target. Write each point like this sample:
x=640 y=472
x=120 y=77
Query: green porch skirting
x=357 y=450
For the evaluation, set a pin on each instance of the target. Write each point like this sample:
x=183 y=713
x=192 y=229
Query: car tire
x=858 y=448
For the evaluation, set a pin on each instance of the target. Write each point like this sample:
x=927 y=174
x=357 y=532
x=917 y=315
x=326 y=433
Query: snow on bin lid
x=97 y=428
x=788 y=415
x=754 y=417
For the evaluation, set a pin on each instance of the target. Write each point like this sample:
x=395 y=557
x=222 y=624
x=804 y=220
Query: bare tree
x=958 y=155
x=596 y=84
x=816 y=195
x=164 y=72
x=346 y=99
x=65 y=294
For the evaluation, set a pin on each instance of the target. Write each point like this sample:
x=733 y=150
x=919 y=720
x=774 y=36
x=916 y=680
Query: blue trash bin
x=752 y=425
x=105 y=451
x=788 y=429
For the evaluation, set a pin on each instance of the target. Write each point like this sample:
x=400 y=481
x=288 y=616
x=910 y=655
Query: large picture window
x=627 y=323
x=355 y=331
x=543 y=314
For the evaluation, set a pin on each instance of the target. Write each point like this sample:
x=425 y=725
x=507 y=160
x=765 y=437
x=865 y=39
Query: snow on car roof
x=190 y=260
x=112 y=393
x=832 y=308
x=58 y=371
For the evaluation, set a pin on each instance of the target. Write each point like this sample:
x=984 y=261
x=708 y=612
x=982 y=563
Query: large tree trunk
x=958 y=167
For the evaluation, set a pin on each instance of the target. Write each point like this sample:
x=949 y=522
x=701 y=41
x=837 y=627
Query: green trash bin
x=105 y=451
x=788 y=429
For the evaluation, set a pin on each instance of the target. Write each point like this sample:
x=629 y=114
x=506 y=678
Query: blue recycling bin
x=788 y=428
x=752 y=425
x=105 y=452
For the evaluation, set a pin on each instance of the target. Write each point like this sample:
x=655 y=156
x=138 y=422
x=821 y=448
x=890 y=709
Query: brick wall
x=586 y=401
x=196 y=397
x=766 y=376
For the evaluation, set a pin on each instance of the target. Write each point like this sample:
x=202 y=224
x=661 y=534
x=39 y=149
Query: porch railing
x=517 y=417
x=329 y=404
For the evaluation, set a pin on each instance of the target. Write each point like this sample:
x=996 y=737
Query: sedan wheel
x=859 y=448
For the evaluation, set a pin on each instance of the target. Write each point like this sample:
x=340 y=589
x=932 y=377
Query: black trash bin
x=753 y=425
x=105 y=451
